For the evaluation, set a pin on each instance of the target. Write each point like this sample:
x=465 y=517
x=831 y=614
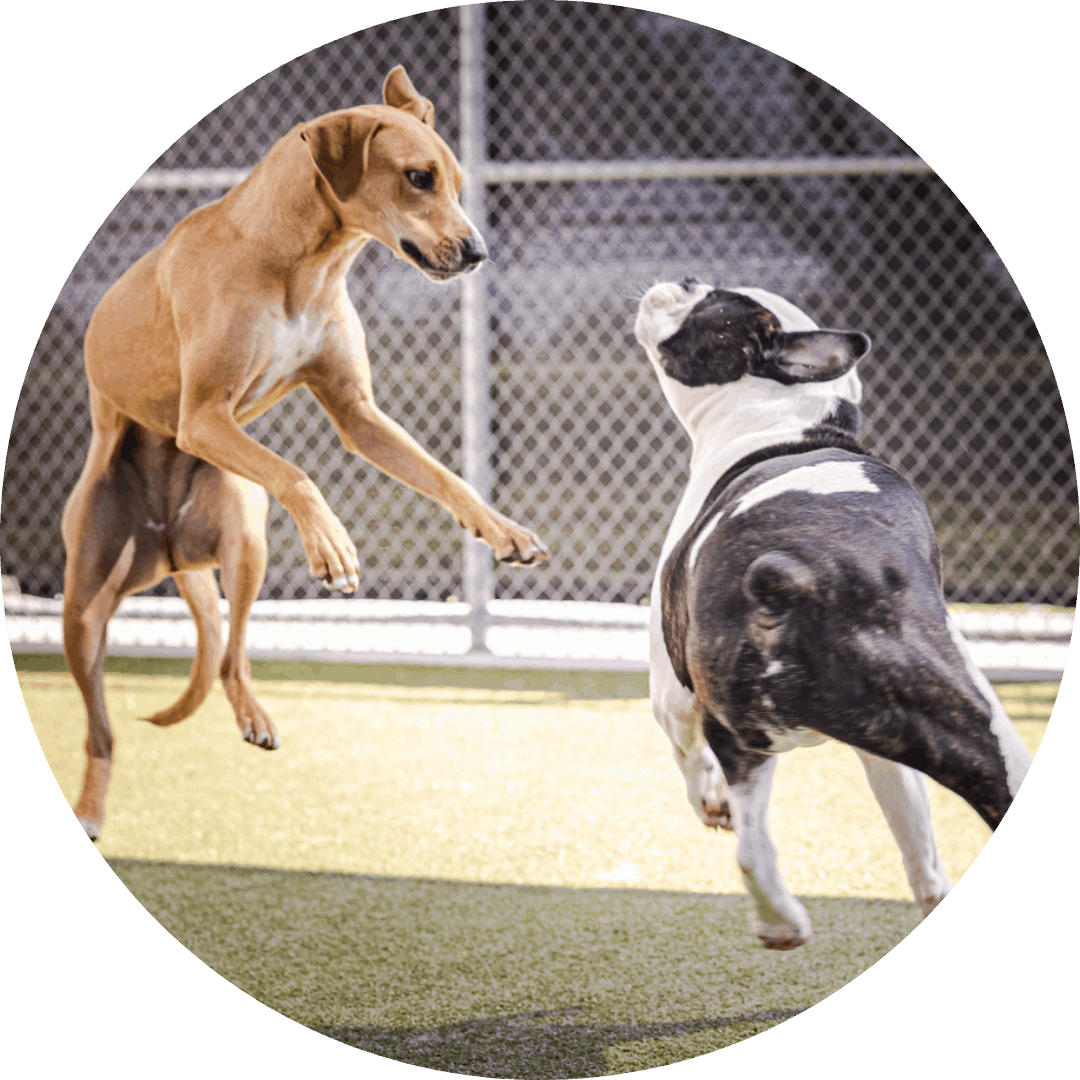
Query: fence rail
x=1010 y=646
x=555 y=172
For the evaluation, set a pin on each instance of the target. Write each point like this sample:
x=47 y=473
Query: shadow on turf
x=533 y=982
x=532 y=1044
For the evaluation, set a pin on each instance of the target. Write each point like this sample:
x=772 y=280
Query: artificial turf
x=489 y=873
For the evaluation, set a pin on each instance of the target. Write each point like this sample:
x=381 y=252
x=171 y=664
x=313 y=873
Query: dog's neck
x=308 y=235
x=727 y=422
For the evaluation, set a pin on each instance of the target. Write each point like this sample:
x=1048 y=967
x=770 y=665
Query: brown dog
x=244 y=302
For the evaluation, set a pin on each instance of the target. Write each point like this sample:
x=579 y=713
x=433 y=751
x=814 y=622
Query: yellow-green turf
x=484 y=872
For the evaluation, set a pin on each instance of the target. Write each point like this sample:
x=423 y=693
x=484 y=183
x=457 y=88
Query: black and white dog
x=798 y=595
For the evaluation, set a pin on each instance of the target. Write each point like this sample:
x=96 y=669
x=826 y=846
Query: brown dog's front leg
x=367 y=431
x=211 y=433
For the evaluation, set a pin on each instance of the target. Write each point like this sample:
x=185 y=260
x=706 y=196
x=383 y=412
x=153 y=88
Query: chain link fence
x=605 y=149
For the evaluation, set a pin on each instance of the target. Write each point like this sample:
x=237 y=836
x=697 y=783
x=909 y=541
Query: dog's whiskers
x=639 y=293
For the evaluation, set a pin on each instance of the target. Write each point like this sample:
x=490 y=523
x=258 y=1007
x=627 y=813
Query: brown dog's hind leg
x=225 y=523
x=84 y=647
x=221 y=518
x=243 y=566
x=199 y=589
x=93 y=578
x=91 y=596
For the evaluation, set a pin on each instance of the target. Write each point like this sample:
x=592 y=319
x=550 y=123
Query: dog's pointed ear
x=812 y=355
x=339 y=145
x=399 y=92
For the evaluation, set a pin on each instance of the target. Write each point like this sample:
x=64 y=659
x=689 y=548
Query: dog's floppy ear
x=399 y=92
x=339 y=145
x=811 y=355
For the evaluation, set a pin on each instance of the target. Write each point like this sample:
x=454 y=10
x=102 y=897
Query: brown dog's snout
x=473 y=252
x=450 y=258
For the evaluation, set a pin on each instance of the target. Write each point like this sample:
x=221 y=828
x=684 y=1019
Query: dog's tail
x=774 y=579
x=199 y=589
x=776 y=584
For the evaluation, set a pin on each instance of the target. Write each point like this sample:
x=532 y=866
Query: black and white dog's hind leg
x=901 y=794
x=777 y=918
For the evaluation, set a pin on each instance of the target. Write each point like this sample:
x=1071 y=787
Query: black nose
x=473 y=252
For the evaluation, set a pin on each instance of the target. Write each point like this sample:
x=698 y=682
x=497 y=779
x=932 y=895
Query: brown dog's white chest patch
x=294 y=343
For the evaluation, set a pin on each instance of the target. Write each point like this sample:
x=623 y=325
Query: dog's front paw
x=346 y=583
x=717 y=815
x=512 y=543
x=527 y=549
x=707 y=791
x=331 y=553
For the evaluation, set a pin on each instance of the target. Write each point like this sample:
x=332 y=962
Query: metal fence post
x=477 y=571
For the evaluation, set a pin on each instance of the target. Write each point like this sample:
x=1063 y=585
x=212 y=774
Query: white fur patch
x=828 y=478
x=295 y=343
x=705 y=534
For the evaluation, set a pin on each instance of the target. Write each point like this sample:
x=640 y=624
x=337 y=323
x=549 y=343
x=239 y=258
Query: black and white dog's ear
x=812 y=355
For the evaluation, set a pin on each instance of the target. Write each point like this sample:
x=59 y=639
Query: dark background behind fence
x=959 y=394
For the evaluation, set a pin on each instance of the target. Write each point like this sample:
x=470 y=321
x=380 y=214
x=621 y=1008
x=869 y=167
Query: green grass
x=494 y=873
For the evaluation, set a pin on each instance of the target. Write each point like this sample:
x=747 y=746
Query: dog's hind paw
x=91 y=828
x=928 y=901
x=779 y=920
x=255 y=726
x=780 y=936
x=261 y=735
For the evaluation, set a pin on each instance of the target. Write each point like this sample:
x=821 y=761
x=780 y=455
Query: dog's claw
x=345 y=583
x=268 y=740
x=529 y=558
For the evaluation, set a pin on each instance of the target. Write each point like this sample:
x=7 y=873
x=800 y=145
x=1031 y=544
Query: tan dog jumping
x=244 y=302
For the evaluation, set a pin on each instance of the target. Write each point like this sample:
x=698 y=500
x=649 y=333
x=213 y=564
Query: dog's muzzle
x=469 y=255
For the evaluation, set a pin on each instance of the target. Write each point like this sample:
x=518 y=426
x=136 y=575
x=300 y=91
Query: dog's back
x=806 y=598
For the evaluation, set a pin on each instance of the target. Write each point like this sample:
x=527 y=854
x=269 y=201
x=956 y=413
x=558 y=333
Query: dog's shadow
x=508 y=980
x=540 y=1044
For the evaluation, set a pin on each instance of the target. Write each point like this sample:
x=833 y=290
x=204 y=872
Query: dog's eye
x=421 y=179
